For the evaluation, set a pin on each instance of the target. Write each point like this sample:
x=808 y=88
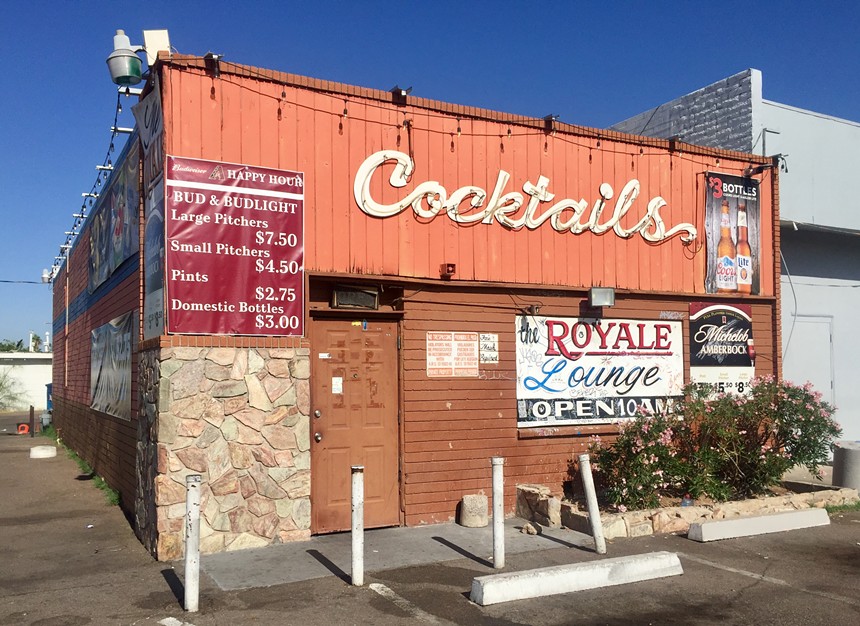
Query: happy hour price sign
x=234 y=249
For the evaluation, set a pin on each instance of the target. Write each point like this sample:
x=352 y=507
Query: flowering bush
x=641 y=464
x=724 y=446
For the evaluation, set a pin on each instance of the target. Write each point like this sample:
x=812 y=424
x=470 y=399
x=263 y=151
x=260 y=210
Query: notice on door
x=452 y=354
x=234 y=249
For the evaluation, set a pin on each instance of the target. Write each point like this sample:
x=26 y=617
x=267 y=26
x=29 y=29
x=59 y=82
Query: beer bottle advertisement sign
x=732 y=234
x=722 y=349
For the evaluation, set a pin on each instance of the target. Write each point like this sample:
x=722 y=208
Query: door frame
x=822 y=318
x=317 y=317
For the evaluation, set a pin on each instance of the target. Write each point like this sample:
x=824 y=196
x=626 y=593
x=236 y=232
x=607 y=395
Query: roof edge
x=193 y=62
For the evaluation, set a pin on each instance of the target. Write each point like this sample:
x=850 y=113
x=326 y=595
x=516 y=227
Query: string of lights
x=103 y=172
x=566 y=136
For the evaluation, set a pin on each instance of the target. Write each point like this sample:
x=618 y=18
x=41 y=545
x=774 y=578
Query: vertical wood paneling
x=285 y=131
x=466 y=174
x=531 y=168
x=343 y=206
x=240 y=124
x=521 y=173
x=357 y=153
x=663 y=274
x=315 y=186
x=585 y=165
x=688 y=203
x=268 y=104
x=211 y=139
x=419 y=233
x=506 y=238
x=252 y=125
x=229 y=126
x=480 y=170
x=448 y=176
x=561 y=246
x=618 y=262
x=697 y=248
x=644 y=171
x=373 y=242
x=190 y=126
x=323 y=210
x=390 y=229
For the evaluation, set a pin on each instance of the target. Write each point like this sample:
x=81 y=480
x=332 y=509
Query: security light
x=123 y=62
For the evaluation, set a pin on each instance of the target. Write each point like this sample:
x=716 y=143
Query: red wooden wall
x=452 y=426
x=327 y=130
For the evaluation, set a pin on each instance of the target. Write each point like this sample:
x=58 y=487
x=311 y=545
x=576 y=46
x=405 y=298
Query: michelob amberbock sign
x=732 y=234
x=722 y=350
x=592 y=371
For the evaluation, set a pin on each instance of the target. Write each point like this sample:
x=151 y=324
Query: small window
x=354 y=297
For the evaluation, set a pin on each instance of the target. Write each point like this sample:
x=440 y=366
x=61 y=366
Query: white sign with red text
x=592 y=371
x=452 y=354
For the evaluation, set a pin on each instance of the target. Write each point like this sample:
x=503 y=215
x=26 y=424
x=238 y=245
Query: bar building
x=286 y=277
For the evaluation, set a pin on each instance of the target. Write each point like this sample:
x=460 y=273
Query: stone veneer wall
x=239 y=418
x=147 y=451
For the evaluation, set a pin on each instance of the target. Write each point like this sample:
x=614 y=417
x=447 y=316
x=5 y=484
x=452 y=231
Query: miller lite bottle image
x=743 y=262
x=727 y=281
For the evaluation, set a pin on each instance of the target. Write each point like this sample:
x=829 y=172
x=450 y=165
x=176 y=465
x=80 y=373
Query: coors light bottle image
x=727 y=281
x=743 y=263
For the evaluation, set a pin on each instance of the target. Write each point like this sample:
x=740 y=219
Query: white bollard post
x=593 y=510
x=192 y=542
x=498 y=512
x=358 y=525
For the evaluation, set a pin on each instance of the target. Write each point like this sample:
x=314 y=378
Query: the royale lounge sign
x=430 y=198
x=593 y=371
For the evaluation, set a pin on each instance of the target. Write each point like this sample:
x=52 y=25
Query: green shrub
x=641 y=464
x=723 y=447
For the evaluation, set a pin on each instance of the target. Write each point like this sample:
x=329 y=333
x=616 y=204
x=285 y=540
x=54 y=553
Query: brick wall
x=719 y=115
x=106 y=442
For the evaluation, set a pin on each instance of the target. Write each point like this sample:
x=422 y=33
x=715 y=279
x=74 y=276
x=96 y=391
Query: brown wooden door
x=354 y=416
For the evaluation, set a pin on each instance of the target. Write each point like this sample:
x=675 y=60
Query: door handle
x=317 y=437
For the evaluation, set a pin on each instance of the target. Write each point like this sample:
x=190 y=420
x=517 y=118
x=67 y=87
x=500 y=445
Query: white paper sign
x=452 y=354
x=336 y=384
x=489 y=346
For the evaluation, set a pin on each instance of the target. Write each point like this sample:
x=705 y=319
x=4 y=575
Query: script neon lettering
x=428 y=199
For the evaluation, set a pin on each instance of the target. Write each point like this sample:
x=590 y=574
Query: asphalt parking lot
x=70 y=559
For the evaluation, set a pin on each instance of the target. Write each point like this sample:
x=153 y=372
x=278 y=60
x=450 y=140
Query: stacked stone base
x=536 y=504
x=240 y=419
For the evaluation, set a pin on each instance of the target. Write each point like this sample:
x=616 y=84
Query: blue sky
x=591 y=63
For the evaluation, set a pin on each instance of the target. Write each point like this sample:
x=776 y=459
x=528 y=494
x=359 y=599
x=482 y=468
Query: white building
x=819 y=219
x=28 y=374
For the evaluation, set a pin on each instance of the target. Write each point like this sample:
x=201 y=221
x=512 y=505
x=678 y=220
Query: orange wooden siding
x=246 y=120
x=453 y=426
